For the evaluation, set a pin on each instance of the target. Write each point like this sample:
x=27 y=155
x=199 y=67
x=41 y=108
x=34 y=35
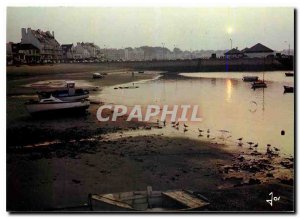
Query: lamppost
x=163 y=52
x=289 y=47
x=230 y=43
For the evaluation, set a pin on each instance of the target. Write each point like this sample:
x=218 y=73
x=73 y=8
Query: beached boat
x=289 y=74
x=66 y=93
x=259 y=84
x=250 y=78
x=288 y=89
x=97 y=76
x=148 y=201
x=53 y=104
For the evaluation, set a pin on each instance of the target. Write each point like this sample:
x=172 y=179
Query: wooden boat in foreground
x=288 y=89
x=52 y=104
x=148 y=201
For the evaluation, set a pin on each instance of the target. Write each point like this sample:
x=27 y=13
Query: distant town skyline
x=185 y=28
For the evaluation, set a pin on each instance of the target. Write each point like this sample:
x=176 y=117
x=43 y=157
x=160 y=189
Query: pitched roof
x=66 y=46
x=233 y=52
x=258 y=48
x=244 y=50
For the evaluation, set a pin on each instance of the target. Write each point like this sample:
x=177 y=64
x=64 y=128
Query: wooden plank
x=186 y=199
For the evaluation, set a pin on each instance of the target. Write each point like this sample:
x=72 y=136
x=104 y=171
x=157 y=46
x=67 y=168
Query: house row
x=257 y=51
x=38 y=46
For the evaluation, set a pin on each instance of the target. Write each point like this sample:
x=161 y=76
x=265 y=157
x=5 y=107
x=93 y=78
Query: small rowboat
x=250 y=78
x=288 y=89
x=259 y=84
x=289 y=74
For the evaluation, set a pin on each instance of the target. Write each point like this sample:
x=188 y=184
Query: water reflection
x=256 y=115
x=229 y=89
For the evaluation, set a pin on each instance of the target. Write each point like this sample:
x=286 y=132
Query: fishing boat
x=259 y=84
x=289 y=74
x=250 y=78
x=149 y=201
x=288 y=89
x=52 y=104
x=97 y=76
x=67 y=93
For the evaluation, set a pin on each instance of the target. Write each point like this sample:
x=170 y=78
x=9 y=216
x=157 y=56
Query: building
x=18 y=53
x=233 y=53
x=258 y=51
x=67 y=52
x=45 y=42
x=80 y=52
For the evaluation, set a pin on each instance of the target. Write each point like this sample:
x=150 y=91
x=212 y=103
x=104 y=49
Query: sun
x=229 y=30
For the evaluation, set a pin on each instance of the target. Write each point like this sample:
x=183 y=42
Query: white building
x=258 y=51
x=80 y=52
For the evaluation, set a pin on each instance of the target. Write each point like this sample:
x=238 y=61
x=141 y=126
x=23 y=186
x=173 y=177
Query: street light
x=289 y=47
x=163 y=44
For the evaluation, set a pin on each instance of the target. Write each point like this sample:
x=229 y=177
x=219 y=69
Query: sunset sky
x=186 y=28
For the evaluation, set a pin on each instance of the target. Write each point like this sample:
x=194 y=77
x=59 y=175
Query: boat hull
x=250 y=78
x=288 y=89
x=289 y=74
x=57 y=107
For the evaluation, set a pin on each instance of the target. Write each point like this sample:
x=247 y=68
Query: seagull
x=200 y=135
x=276 y=149
x=177 y=124
x=255 y=146
x=185 y=125
x=185 y=129
x=208 y=131
x=173 y=122
x=240 y=139
x=240 y=144
x=200 y=130
x=250 y=143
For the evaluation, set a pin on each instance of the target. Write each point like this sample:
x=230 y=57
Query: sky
x=184 y=27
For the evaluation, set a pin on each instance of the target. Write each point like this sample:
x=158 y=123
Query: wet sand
x=53 y=164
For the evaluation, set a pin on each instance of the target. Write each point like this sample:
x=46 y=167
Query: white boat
x=53 y=104
x=97 y=76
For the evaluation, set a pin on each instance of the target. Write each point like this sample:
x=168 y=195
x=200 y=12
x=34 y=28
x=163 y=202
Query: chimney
x=23 y=31
x=53 y=34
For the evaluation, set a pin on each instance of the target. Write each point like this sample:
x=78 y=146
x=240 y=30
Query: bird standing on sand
x=255 y=146
x=177 y=124
x=276 y=149
x=268 y=149
x=200 y=130
x=185 y=125
x=185 y=129
x=173 y=122
x=164 y=122
x=240 y=139
x=250 y=144
x=208 y=131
